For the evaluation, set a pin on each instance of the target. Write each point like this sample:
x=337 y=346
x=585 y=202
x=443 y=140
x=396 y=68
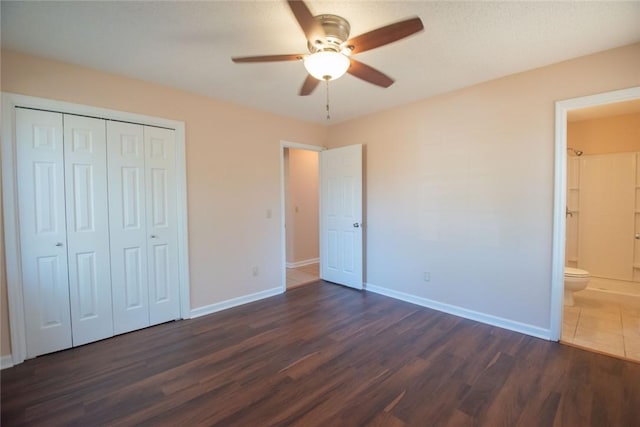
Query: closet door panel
x=43 y=243
x=164 y=295
x=127 y=220
x=88 y=228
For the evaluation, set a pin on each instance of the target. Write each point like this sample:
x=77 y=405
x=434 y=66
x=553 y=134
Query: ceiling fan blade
x=385 y=35
x=369 y=74
x=312 y=29
x=309 y=85
x=268 y=58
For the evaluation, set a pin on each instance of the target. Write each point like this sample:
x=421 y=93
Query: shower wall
x=573 y=211
x=603 y=197
x=606 y=205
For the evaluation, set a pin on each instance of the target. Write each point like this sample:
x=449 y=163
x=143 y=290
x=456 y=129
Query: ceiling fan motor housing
x=336 y=30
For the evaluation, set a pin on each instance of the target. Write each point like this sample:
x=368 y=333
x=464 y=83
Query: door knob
x=59 y=244
x=637 y=236
x=356 y=225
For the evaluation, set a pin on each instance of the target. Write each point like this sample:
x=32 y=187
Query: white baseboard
x=303 y=263
x=463 y=312
x=234 y=302
x=6 y=361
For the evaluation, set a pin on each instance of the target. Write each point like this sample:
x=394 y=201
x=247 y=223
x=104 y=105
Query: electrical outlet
x=426 y=276
x=254 y=271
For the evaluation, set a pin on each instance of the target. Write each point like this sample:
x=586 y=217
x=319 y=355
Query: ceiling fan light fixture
x=326 y=65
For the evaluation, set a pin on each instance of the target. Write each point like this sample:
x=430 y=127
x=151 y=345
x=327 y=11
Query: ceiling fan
x=330 y=48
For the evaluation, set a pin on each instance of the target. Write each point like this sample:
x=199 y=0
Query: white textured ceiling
x=188 y=45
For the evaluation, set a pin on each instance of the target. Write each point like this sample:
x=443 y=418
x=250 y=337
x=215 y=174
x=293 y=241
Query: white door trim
x=283 y=231
x=560 y=193
x=10 y=201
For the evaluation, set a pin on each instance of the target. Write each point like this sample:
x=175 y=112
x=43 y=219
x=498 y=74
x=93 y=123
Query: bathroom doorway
x=598 y=136
x=300 y=170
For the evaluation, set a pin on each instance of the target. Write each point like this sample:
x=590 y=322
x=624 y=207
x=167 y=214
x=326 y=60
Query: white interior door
x=164 y=292
x=43 y=241
x=127 y=222
x=85 y=160
x=341 y=231
x=606 y=226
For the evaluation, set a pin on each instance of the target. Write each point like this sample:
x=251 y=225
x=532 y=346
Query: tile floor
x=302 y=275
x=605 y=322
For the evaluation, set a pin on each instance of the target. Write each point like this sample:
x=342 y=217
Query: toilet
x=574 y=280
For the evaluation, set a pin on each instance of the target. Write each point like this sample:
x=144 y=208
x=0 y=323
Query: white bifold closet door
x=85 y=165
x=142 y=211
x=162 y=215
x=64 y=230
x=43 y=235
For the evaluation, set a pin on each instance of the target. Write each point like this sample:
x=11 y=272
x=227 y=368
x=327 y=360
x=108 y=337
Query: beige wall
x=287 y=208
x=302 y=206
x=461 y=185
x=615 y=134
x=233 y=169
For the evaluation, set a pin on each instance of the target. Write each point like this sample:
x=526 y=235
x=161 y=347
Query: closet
x=98 y=227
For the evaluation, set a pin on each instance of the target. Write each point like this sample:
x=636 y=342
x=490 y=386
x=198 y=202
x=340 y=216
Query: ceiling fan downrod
x=327 y=83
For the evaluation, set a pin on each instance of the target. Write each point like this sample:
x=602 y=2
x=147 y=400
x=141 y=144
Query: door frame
x=10 y=201
x=560 y=192
x=283 y=213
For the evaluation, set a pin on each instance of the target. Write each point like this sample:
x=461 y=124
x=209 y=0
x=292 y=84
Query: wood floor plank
x=323 y=355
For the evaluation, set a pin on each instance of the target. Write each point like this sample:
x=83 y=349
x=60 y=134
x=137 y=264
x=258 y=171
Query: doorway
x=301 y=197
x=602 y=316
x=341 y=222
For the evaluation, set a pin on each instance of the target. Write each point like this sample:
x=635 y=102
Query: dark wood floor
x=323 y=355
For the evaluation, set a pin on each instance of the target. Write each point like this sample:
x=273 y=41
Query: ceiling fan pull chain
x=328 y=115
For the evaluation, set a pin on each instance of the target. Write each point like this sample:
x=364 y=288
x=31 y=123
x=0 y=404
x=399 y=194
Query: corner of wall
x=6 y=361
